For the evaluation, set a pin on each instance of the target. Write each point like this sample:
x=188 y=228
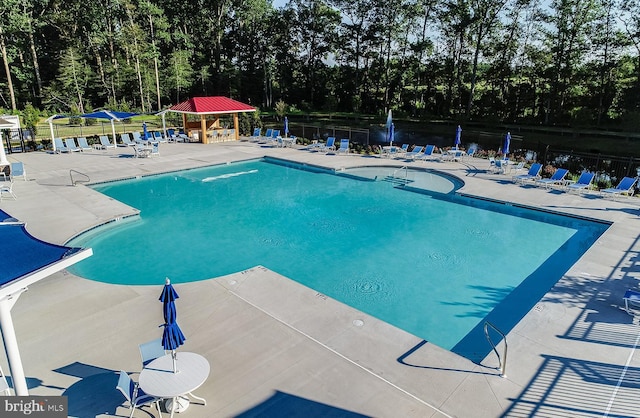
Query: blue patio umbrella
x=389 y=120
x=172 y=336
x=458 y=135
x=391 y=134
x=144 y=131
x=507 y=142
x=286 y=126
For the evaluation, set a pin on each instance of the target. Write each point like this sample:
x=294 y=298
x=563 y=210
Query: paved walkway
x=277 y=348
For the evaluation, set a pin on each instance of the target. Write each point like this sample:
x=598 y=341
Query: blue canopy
x=22 y=253
x=108 y=114
x=24 y=261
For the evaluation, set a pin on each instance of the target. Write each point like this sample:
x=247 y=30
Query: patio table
x=158 y=379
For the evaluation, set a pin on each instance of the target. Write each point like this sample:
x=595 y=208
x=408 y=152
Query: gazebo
x=209 y=130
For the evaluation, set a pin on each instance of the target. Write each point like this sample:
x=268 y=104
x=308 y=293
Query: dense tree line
x=549 y=62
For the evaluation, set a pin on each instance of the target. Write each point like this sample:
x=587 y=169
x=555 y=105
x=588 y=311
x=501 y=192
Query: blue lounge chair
x=471 y=152
x=414 y=152
x=60 y=146
x=267 y=135
x=533 y=174
x=330 y=145
x=273 y=141
x=105 y=143
x=17 y=170
x=157 y=137
x=344 y=147
x=428 y=153
x=256 y=135
x=557 y=178
x=584 y=182
x=402 y=151
x=83 y=144
x=626 y=187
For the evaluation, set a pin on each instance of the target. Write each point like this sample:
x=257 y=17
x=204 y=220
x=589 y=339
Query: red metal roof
x=211 y=105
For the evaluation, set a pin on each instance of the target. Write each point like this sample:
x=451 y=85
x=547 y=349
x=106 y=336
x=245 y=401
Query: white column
x=53 y=143
x=113 y=131
x=11 y=347
x=3 y=156
x=164 y=125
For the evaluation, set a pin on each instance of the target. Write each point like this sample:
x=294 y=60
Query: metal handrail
x=406 y=173
x=503 y=362
x=74 y=181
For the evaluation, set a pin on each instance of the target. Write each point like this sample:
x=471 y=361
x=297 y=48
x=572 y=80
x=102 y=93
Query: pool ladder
x=82 y=180
x=503 y=360
x=398 y=180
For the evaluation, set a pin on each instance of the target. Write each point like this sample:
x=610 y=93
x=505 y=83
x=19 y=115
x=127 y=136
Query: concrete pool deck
x=277 y=348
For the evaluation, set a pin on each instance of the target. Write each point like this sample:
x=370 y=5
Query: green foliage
x=30 y=118
x=496 y=62
x=281 y=108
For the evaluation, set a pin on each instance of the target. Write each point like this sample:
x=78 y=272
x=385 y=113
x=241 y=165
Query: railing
x=503 y=361
x=406 y=173
x=74 y=181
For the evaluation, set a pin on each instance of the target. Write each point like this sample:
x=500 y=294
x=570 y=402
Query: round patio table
x=159 y=380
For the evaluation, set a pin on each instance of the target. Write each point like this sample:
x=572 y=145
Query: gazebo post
x=184 y=123
x=11 y=346
x=53 y=142
x=203 y=126
x=236 y=126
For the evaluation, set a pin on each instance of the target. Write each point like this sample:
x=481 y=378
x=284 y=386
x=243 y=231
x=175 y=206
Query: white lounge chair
x=71 y=144
x=626 y=187
x=155 y=149
x=82 y=143
x=7 y=191
x=4 y=385
x=105 y=143
x=60 y=146
x=631 y=297
x=126 y=140
x=18 y=170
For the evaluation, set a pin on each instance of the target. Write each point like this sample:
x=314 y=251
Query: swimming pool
x=436 y=265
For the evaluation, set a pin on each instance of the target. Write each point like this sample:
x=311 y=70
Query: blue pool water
x=435 y=265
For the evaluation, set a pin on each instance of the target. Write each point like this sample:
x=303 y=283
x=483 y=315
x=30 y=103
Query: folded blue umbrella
x=172 y=336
